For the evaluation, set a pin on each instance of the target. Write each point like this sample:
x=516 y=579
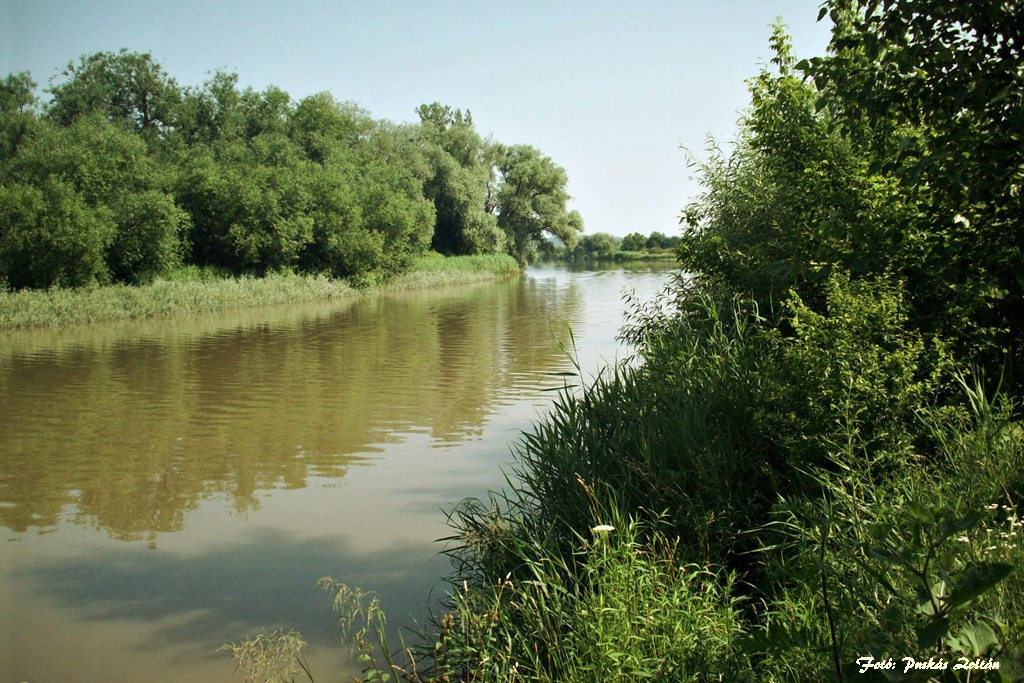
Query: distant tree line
x=601 y=246
x=124 y=175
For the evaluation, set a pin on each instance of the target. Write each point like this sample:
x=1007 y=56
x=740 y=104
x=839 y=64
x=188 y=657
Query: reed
x=196 y=291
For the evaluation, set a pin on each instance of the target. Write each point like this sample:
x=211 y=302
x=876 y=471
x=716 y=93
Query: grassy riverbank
x=193 y=291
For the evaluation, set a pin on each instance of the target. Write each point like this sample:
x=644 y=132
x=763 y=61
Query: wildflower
x=603 y=529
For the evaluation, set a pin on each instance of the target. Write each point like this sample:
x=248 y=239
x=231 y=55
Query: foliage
x=932 y=90
x=459 y=183
x=917 y=564
x=531 y=200
x=634 y=241
x=101 y=207
x=635 y=612
x=247 y=204
x=17 y=111
x=250 y=182
x=126 y=87
x=601 y=246
x=856 y=355
x=794 y=201
x=50 y=236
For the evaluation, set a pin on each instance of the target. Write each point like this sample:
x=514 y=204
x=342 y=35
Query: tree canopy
x=124 y=175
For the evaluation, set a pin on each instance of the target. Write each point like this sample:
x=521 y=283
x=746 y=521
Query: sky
x=623 y=95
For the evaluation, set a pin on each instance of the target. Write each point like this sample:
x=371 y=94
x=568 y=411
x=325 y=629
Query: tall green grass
x=882 y=522
x=196 y=291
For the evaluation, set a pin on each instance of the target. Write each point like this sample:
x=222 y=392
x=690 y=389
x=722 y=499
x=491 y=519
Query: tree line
x=602 y=246
x=124 y=175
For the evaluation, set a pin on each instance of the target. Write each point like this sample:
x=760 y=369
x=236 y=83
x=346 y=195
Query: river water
x=168 y=486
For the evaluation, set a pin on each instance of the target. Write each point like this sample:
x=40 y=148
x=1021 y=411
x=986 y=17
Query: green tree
x=50 y=235
x=339 y=244
x=248 y=203
x=459 y=182
x=90 y=176
x=393 y=207
x=634 y=241
x=932 y=88
x=210 y=113
x=658 y=240
x=265 y=112
x=17 y=112
x=598 y=246
x=128 y=87
x=794 y=201
x=531 y=200
x=321 y=125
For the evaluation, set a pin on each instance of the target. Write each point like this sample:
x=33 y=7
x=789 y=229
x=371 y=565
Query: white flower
x=603 y=529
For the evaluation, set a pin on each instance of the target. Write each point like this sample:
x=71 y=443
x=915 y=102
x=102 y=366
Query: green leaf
x=920 y=513
x=929 y=635
x=975 y=639
x=978 y=578
x=968 y=521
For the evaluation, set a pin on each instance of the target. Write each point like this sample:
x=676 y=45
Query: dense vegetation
x=123 y=176
x=600 y=246
x=817 y=470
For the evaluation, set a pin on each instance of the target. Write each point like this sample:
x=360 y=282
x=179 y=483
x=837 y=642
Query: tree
x=209 y=113
x=634 y=241
x=17 y=111
x=321 y=126
x=599 y=246
x=128 y=87
x=458 y=184
x=932 y=88
x=794 y=201
x=92 y=176
x=249 y=204
x=50 y=235
x=531 y=200
x=658 y=240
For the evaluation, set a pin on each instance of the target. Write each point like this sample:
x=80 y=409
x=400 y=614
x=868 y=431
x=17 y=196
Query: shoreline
x=56 y=308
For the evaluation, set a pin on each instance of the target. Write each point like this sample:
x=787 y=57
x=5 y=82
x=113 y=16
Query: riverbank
x=195 y=294
x=619 y=257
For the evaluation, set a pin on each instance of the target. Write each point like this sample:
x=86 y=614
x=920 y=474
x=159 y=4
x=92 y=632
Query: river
x=168 y=486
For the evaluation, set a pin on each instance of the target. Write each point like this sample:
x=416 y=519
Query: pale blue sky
x=609 y=90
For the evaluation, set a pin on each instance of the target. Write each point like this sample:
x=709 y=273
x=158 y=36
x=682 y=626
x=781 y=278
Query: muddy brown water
x=168 y=486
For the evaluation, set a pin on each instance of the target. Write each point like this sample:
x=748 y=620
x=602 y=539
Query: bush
x=50 y=236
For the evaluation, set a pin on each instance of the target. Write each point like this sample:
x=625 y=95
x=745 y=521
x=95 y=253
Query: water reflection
x=129 y=434
x=170 y=485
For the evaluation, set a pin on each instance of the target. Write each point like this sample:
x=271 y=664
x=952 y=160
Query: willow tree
x=459 y=182
x=530 y=201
